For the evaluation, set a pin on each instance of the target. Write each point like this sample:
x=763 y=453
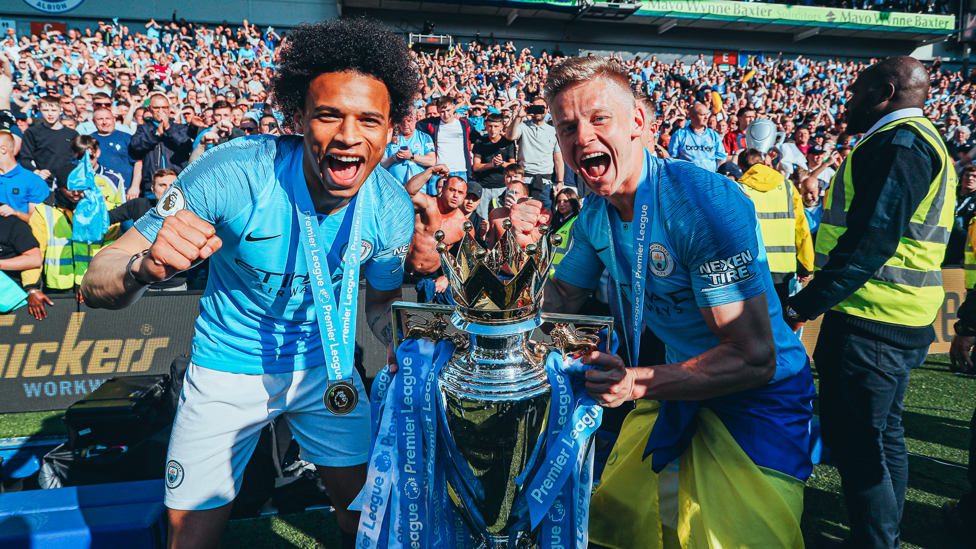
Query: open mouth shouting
x=343 y=169
x=595 y=165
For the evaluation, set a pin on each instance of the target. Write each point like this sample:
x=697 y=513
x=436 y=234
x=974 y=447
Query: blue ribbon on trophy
x=336 y=321
x=484 y=438
x=557 y=497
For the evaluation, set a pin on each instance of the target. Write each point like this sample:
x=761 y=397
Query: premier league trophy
x=501 y=400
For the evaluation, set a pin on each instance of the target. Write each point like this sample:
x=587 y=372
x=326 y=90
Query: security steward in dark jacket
x=878 y=283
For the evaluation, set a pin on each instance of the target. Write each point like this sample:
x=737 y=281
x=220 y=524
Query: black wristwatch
x=128 y=267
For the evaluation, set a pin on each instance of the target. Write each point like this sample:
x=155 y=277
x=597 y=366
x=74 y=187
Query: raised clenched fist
x=526 y=216
x=183 y=241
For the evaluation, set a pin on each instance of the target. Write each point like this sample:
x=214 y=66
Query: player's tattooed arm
x=379 y=317
x=386 y=333
x=383 y=332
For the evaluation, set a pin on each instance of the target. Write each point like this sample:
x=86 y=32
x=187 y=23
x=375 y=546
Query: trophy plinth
x=495 y=391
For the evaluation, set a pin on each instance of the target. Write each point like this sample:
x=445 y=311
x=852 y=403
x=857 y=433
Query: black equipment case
x=120 y=412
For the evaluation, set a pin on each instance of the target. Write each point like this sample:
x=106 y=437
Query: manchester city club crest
x=174 y=474
x=661 y=262
x=341 y=398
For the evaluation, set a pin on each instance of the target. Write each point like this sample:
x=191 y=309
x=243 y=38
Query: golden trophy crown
x=502 y=284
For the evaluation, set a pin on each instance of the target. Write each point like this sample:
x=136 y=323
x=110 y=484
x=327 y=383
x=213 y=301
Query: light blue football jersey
x=257 y=313
x=419 y=144
x=703 y=150
x=705 y=250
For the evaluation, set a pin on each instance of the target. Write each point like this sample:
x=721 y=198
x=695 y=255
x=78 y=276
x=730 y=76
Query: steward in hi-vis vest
x=878 y=283
x=907 y=289
x=782 y=222
x=65 y=260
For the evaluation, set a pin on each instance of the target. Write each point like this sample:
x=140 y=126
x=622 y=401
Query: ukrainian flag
x=742 y=463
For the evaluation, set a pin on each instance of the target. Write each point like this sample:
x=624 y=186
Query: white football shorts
x=220 y=417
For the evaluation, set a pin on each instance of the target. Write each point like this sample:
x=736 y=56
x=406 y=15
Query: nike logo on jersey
x=598 y=250
x=251 y=238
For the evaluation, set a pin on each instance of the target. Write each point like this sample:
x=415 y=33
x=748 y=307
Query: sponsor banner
x=43 y=27
x=775 y=14
x=725 y=57
x=7 y=24
x=954 y=283
x=53 y=363
x=795 y=15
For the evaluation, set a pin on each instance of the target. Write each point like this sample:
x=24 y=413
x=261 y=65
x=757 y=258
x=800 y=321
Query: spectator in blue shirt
x=114 y=145
x=152 y=30
x=697 y=143
x=20 y=190
x=647 y=72
x=476 y=115
x=410 y=152
x=222 y=131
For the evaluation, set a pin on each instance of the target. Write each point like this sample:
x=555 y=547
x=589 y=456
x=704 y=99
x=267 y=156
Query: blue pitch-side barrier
x=127 y=514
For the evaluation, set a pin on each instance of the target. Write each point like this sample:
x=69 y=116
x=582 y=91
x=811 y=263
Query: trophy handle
x=573 y=334
x=416 y=326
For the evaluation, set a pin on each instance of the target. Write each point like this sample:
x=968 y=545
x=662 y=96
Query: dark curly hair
x=360 y=45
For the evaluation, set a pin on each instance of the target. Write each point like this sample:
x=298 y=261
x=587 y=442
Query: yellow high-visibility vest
x=566 y=231
x=907 y=290
x=777 y=223
x=66 y=261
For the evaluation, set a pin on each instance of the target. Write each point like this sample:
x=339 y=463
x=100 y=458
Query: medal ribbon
x=415 y=360
x=337 y=323
x=374 y=499
x=642 y=206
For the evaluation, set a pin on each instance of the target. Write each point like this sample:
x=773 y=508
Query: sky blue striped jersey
x=257 y=313
x=706 y=250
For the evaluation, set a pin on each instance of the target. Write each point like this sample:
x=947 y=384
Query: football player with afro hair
x=270 y=341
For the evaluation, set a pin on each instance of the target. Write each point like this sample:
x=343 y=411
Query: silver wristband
x=128 y=267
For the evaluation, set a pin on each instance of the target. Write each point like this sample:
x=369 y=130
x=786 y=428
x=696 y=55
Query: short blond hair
x=573 y=70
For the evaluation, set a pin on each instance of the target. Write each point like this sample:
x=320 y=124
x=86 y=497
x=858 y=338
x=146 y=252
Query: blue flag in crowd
x=91 y=215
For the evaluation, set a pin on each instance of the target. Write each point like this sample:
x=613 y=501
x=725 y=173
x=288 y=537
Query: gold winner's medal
x=341 y=398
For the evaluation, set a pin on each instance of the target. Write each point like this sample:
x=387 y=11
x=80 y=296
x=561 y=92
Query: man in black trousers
x=878 y=283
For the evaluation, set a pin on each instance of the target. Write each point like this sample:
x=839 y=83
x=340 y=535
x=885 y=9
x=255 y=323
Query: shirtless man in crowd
x=432 y=214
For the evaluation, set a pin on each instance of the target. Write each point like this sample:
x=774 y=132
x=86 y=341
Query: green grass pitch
x=935 y=433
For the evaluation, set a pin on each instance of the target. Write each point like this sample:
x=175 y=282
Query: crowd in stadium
x=910 y=6
x=145 y=101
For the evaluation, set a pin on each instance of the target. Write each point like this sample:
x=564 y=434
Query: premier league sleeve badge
x=341 y=398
